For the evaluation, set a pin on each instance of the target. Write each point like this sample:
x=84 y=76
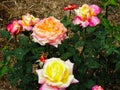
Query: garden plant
x=78 y=52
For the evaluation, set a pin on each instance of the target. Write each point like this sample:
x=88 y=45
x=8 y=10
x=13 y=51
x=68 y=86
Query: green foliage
x=5 y=34
x=106 y=3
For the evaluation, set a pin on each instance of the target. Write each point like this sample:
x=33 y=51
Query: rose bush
x=89 y=40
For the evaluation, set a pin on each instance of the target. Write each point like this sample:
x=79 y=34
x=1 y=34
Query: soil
x=14 y=9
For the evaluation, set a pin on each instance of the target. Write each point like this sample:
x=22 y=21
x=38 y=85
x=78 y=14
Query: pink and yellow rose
x=96 y=87
x=56 y=74
x=28 y=21
x=49 y=31
x=14 y=27
x=87 y=15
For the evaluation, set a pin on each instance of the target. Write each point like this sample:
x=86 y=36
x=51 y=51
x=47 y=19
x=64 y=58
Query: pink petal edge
x=77 y=20
x=96 y=9
x=94 y=21
x=41 y=79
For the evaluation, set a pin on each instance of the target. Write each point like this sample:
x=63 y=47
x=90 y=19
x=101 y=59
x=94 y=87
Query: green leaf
x=66 y=55
x=73 y=87
x=113 y=2
x=92 y=64
x=109 y=3
x=3 y=70
x=117 y=67
x=6 y=56
x=1 y=64
x=117 y=36
x=37 y=50
x=66 y=21
x=28 y=67
x=74 y=39
x=5 y=34
x=117 y=27
x=19 y=53
x=89 y=84
x=90 y=29
x=75 y=28
x=79 y=44
x=105 y=23
x=23 y=40
x=110 y=50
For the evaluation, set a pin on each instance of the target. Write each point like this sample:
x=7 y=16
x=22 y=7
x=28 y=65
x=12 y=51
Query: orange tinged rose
x=49 y=31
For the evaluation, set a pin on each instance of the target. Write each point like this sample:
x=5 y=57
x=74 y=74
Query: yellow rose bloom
x=57 y=73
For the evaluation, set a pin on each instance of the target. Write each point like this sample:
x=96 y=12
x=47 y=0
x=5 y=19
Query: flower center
x=57 y=71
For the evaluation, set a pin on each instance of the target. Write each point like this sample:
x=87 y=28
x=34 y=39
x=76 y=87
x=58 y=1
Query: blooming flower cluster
x=47 y=31
x=56 y=74
x=87 y=15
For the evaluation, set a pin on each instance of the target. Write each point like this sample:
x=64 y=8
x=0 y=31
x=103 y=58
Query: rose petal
x=96 y=87
x=75 y=81
x=69 y=81
x=70 y=65
x=28 y=28
x=84 y=23
x=41 y=79
x=77 y=20
x=47 y=87
x=94 y=21
x=95 y=9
